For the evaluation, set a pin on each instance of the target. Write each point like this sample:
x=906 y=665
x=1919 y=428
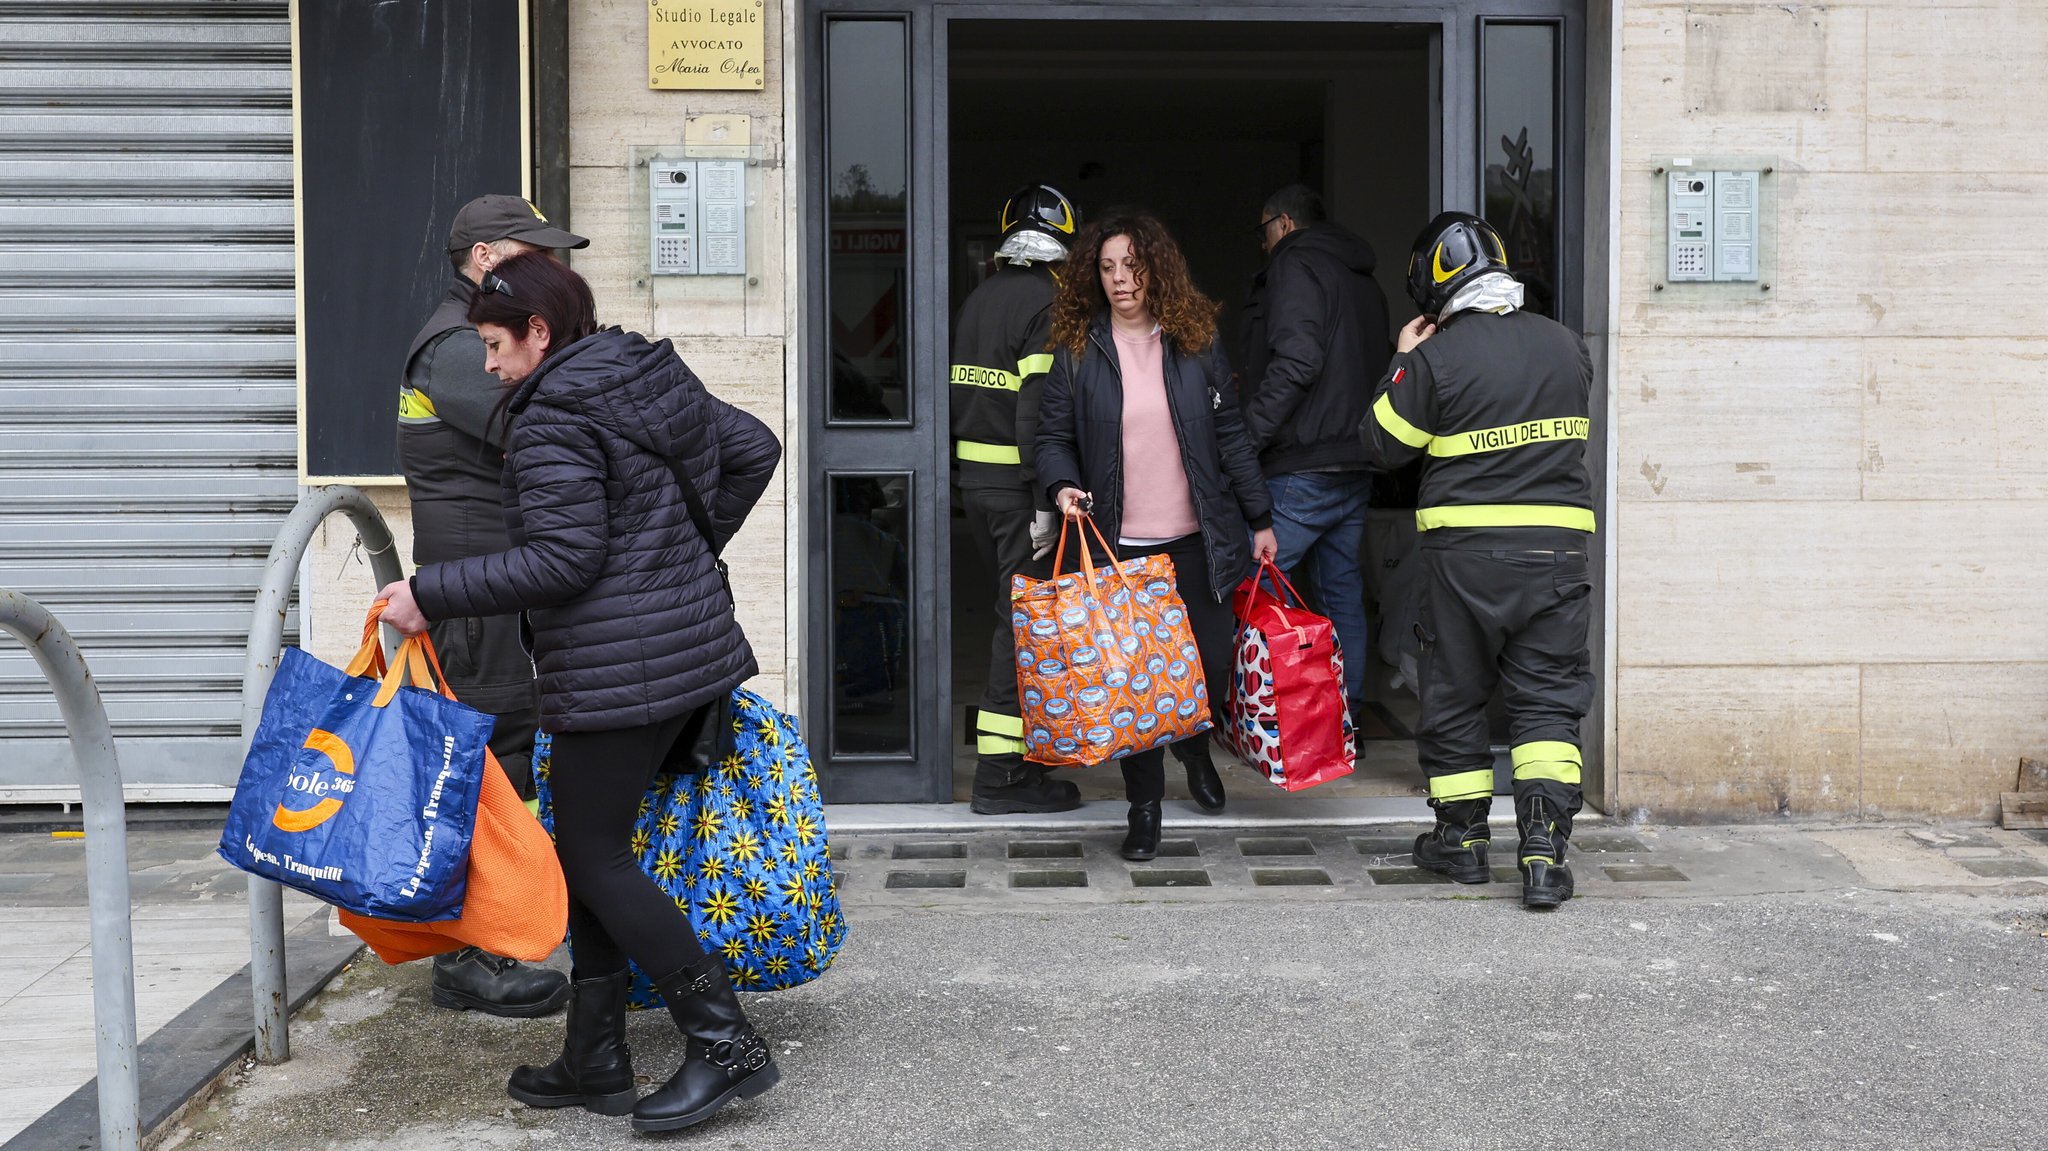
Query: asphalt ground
x=1809 y=988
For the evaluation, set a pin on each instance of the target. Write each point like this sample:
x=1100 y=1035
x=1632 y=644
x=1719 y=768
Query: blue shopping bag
x=361 y=793
x=742 y=849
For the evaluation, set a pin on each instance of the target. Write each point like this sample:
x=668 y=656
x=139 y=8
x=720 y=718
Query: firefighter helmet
x=1040 y=207
x=1454 y=250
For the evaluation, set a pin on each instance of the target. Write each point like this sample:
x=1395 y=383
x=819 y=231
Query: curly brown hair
x=1186 y=316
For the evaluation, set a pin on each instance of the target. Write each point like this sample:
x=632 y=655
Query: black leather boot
x=1143 y=841
x=1020 y=788
x=1456 y=846
x=723 y=1059
x=473 y=979
x=1203 y=783
x=1546 y=881
x=595 y=1070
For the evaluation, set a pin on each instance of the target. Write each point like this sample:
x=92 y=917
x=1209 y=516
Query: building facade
x=1818 y=479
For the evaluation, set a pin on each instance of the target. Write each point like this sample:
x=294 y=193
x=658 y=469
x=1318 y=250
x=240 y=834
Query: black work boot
x=1143 y=841
x=1020 y=788
x=1456 y=846
x=723 y=1059
x=1203 y=783
x=1546 y=880
x=473 y=979
x=595 y=1070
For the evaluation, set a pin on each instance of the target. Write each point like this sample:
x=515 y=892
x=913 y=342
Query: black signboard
x=406 y=112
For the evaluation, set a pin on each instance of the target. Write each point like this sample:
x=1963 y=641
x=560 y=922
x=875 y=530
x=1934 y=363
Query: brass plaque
x=706 y=44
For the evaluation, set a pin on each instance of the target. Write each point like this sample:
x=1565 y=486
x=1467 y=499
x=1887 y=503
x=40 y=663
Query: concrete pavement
x=1805 y=987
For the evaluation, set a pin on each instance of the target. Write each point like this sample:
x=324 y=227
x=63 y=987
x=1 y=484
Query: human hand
x=1414 y=332
x=1265 y=546
x=401 y=611
x=1044 y=533
x=1074 y=503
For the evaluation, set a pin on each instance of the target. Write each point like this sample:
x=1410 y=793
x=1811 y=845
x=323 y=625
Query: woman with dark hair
x=632 y=632
x=1140 y=420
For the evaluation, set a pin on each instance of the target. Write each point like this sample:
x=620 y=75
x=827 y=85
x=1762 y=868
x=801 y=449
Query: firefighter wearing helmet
x=1001 y=352
x=1495 y=401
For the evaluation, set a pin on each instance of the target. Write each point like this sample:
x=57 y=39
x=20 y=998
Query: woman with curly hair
x=1139 y=426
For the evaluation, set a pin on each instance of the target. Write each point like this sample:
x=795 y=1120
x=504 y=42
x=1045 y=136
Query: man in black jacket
x=451 y=447
x=1316 y=340
x=1001 y=351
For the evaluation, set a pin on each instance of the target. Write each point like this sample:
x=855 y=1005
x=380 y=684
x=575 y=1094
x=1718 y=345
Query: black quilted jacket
x=631 y=624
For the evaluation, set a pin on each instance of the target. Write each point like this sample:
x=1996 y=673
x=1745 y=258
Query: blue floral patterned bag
x=742 y=849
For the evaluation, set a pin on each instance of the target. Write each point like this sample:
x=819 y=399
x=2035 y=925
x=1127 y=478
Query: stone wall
x=1831 y=495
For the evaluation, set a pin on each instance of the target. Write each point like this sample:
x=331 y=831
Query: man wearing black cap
x=451 y=446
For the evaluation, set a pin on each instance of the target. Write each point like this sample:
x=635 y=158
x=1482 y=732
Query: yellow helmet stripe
x=1437 y=266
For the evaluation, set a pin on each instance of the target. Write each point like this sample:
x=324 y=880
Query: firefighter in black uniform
x=1001 y=352
x=1496 y=401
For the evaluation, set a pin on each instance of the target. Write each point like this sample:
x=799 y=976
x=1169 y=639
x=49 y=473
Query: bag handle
x=1280 y=601
x=1087 y=560
x=417 y=664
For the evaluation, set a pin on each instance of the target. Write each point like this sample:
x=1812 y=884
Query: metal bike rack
x=106 y=862
x=266 y=647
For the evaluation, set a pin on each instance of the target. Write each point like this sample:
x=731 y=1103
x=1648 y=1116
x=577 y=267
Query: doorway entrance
x=923 y=121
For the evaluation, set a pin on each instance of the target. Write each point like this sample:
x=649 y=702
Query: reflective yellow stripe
x=1400 y=429
x=986 y=453
x=414 y=405
x=1511 y=436
x=1547 y=759
x=994 y=724
x=1464 y=785
x=1503 y=516
x=974 y=376
x=998 y=745
x=1033 y=365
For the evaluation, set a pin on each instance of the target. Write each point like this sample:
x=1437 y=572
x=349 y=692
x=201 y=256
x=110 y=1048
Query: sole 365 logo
x=330 y=792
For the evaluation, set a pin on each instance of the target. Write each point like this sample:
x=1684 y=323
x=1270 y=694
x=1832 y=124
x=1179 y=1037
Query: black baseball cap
x=488 y=219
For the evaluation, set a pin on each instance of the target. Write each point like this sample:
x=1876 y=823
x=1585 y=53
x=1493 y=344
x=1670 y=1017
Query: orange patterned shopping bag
x=1106 y=659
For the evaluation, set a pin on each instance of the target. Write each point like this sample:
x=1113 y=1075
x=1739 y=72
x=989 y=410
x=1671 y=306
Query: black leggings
x=615 y=910
x=1215 y=629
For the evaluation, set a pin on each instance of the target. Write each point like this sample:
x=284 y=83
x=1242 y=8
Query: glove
x=1044 y=534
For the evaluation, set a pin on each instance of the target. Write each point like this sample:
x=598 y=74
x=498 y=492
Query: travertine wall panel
x=1681 y=84
x=1956 y=419
x=1839 y=482
x=1740 y=419
x=1960 y=89
x=1754 y=740
x=1831 y=582
x=337 y=587
x=1856 y=255
x=729 y=330
x=1946 y=739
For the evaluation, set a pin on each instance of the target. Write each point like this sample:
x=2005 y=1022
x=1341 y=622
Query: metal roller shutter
x=148 y=446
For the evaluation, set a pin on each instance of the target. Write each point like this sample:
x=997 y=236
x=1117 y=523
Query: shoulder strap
x=695 y=503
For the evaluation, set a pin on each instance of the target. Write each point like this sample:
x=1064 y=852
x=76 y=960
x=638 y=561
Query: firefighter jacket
x=1001 y=352
x=1498 y=408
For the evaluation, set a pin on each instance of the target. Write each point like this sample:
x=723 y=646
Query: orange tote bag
x=1106 y=659
x=518 y=904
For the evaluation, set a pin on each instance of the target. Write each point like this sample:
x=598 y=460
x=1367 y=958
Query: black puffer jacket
x=1080 y=444
x=631 y=624
x=1316 y=343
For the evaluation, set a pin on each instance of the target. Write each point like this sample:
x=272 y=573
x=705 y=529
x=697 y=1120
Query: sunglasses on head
x=494 y=284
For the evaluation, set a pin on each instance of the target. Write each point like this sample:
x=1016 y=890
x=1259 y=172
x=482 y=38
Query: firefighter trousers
x=999 y=521
x=1519 y=620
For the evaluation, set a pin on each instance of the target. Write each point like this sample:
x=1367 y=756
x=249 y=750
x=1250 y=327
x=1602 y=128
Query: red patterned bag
x=1287 y=718
x=1106 y=659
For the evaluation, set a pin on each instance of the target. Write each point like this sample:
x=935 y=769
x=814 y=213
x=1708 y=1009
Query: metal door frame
x=920 y=448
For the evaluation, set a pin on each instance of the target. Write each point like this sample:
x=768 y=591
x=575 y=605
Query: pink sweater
x=1157 y=502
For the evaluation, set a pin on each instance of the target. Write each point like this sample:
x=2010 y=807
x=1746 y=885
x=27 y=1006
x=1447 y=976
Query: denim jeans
x=1319 y=523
